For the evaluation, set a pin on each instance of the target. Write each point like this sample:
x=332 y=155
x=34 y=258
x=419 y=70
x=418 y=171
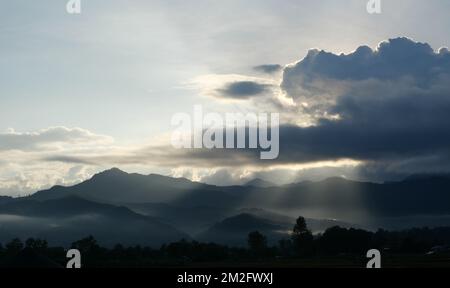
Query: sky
x=80 y=93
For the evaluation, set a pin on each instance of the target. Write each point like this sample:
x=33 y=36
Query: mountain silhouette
x=116 y=186
x=257 y=182
x=234 y=230
x=331 y=198
x=155 y=204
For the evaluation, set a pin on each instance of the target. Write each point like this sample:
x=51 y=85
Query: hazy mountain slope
x=65 y=220
x=337 y=197
x=195 y=220
x=5 y=199
x=234 y=230
x=315 y=225
x=192 y=219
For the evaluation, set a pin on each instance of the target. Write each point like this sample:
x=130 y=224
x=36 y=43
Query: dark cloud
x=268 y=68
x=393 y=58
x=393 y=104
x=243 y=89
x=67 y=159
x=321 y=72
x=392 y=107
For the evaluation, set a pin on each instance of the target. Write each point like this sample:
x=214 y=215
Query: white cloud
x=53 y=138
x=22 y=170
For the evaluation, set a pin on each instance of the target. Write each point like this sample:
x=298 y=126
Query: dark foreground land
x=396 y=261
x=336 y=248
x=344 y=261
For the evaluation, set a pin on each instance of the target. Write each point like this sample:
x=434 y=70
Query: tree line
x=301 y=244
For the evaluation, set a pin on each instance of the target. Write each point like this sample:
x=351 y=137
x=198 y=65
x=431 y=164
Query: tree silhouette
x=86 y=245
x=302 y=238
x=36 y=244
x=14 y=246
x=337 y=240
x=285 y=247
x=300 y=226
x=91 y=253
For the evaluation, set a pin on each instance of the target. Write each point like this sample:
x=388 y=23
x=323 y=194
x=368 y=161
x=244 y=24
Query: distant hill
x=234 y=230
x=257 y=182
x=193 y=220
x=62 y=221
x=420 y=177
x=315 y=225
x=4 y=199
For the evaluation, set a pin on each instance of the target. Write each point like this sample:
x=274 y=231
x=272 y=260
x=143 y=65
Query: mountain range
x=131 y=209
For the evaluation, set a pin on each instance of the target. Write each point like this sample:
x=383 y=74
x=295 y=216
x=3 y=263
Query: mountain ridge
x=260 y=183
x=331 y=198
